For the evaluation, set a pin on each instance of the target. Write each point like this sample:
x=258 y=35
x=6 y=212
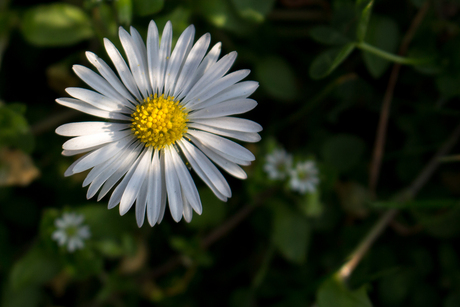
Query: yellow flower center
x=159 y=121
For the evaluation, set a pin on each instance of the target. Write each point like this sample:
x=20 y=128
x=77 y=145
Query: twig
x=386 y=104
x=407 y=194
x=226 y=227
x=346 y=270
x=215 y=235
x=53 y=121
x=429 y=169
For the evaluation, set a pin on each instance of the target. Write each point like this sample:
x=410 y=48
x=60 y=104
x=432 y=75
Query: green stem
x=388 y=56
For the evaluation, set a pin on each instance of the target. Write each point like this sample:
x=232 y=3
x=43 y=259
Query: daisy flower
x=278 y=164
x=70 y=231
x=304 y=177
x=168 y=112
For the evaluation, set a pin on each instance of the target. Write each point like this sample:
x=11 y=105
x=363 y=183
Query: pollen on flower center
x=159 y=121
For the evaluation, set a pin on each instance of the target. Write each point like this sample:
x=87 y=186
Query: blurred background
x=366 y=91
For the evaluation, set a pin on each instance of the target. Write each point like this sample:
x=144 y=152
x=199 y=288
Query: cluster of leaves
x=323 y=68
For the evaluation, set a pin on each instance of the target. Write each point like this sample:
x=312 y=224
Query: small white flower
x=304 y=177
x=70 y=232
x=166 y=109
x=278 y=164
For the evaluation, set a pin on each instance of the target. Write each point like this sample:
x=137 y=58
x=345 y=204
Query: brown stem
x=53 y=121
x=226 y=227
x=380 y=138
x=407 y=194
x=216 y=234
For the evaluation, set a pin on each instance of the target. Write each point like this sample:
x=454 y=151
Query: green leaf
x=14 y=129
x=222 y=15
x=448 y=85
x=84 y=263
x=343 y=151
x=311 y=205
x=110 y=248
x=291 y=233
x=254 y=10
x=418 y=3
x=277 y=77
x=147 y=7
x=56 y=24
x=125 y=11
x=25 y=297
x=179 y=18
x=382 y=33
x=327 y=61
x=364 y=9
x=35 y=268
x=333 y=293
x=108 y=23
x=328 y=36
x=442 y=224
x=395 y=288
x=213 y=211
x=114 y=226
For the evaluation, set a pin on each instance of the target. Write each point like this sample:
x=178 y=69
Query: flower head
x=165 y=110
x=304 y=177
x=278 y=164
x=70 y=231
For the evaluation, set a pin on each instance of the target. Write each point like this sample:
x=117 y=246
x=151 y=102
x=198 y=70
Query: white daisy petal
x=142 y=55
x=224 y=155
x=193 y=61
x=86 y=141
x=117 y=193
x=203 y=163
x=69 y=153
x=213 y=73
x=209 y=60
x=135 y=61
x=196 y=167
x=164 y=55
x=188 y=212
x=116 y=173
x=89 y=109
x=173 y=187
x=122 y=68
x=237 y=91
x=230 y=107
x=224 y=145
x=186 y=182
x=141 y=204
x=154 y=194
x=69 y=171
x=110 y=76
x=134 y=185
x=97 y=100
x=153 y=50
x=170 y=105
x=218 y=87
x=97 y=82
x=242 y=136
x=163 y=188
x=230 y=123
x=98 y=169
x=85 y=128
x=177 y=58
x=101 y=155
x=109 y=176
x=229 y=166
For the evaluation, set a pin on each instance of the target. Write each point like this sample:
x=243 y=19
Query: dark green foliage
x=319 y=98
